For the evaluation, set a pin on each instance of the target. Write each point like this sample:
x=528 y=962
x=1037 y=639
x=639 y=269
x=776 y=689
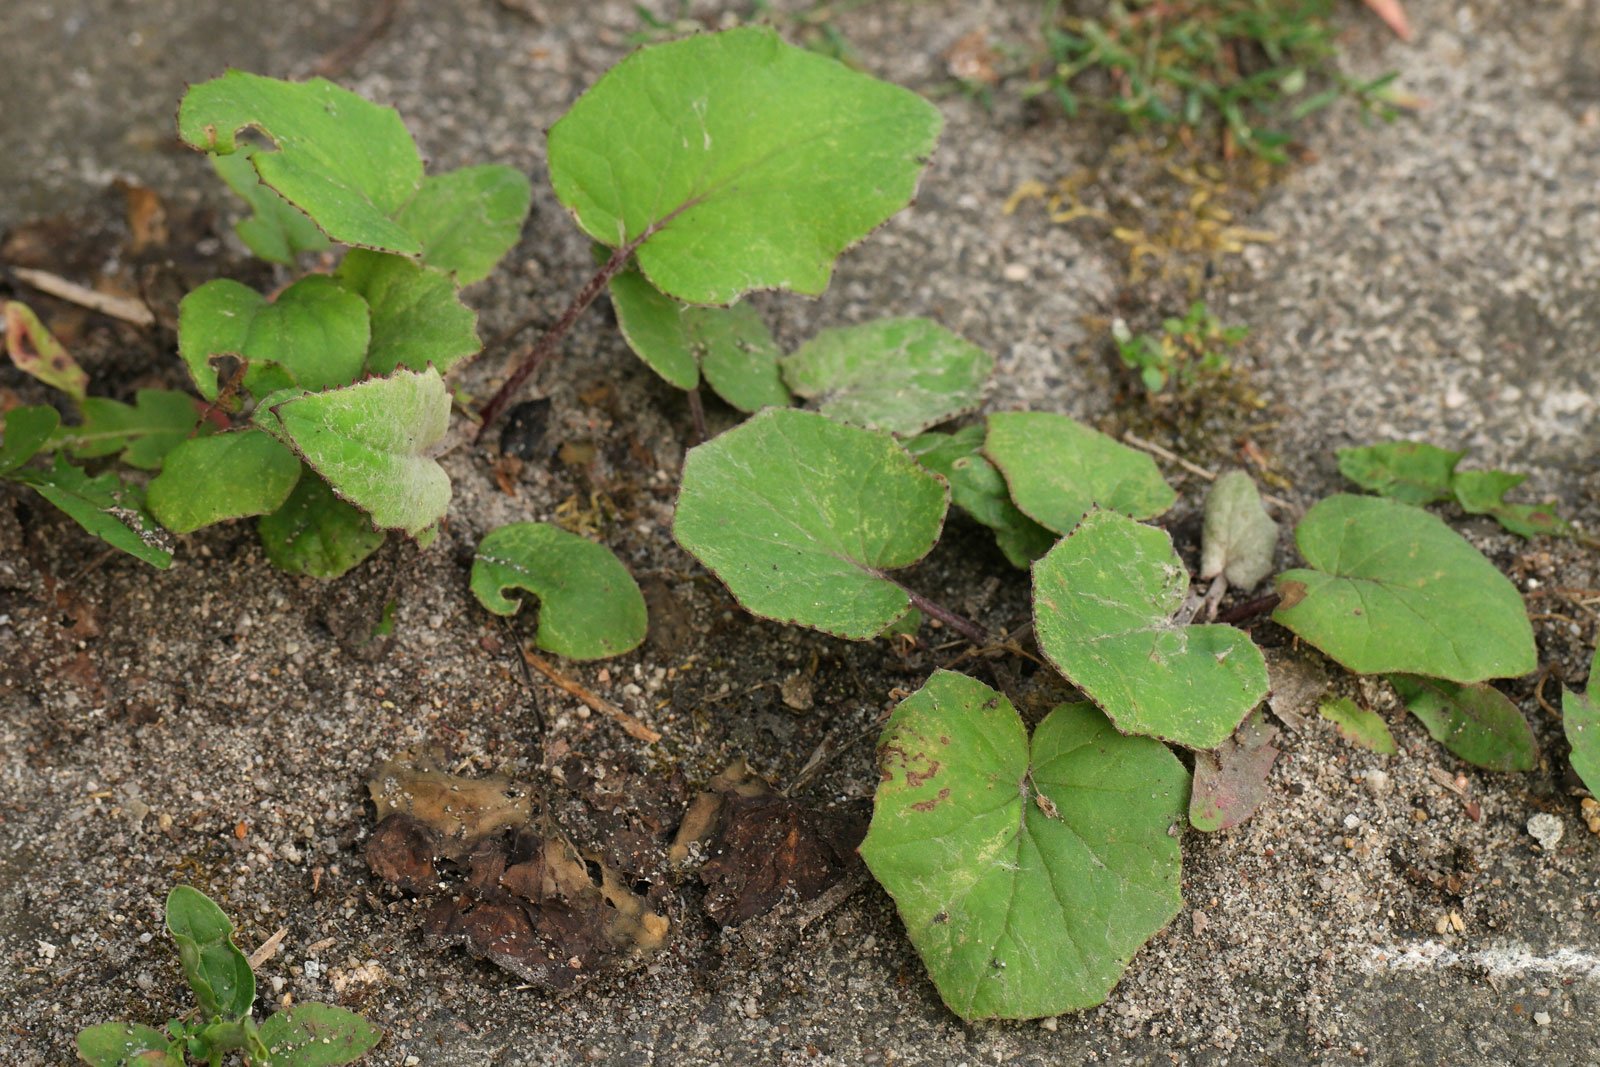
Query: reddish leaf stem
x=545 y=347
x=960 y=624
x=697 y=411
x=1249 y=609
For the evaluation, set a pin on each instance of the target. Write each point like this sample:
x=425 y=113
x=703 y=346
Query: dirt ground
x=1438 y=277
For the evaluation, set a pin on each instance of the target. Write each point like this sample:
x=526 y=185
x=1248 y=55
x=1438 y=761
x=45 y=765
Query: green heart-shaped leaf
x=589 y=605
x=979 y=490
x=1103 y=601
x=27 y=430
x=1393 y=589
x=1027 y=874
x=346 y=162
x=1058 y=469
x=901 y=375
x=316 y=533
x=314 y=335
x=468 y=219
x=741 y=162
x=214 y=967
x=374 y=442
x=1412 y=472
x=1580 y=719
x=1476 y=722
x=417 y=319
x=276 y=230
x=731 y=346
x=317 y=1035
x=104 y=506
x=800 y=517
x=226 y=476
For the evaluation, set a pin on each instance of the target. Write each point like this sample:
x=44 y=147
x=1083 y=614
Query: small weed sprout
x=1186 y=351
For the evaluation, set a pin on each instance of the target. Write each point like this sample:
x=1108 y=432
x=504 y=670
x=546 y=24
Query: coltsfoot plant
x=703 y=169
x=1028 y=866
x=321 y=407
x=1028 y=869
x=307 y=1035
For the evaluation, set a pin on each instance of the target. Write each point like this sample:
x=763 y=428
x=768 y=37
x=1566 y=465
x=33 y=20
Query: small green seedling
x=307 y=1035
x=321 y=409
x=1186 y=351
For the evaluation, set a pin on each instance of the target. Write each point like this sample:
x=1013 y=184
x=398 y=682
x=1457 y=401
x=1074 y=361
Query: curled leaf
x=589 y=605
x=351 y=194
x=1239 y=538
x=374 y=442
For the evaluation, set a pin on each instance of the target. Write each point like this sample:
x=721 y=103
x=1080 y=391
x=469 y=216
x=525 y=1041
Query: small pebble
x=1352 y=821
x=1542 y=1018
x=1546 y=829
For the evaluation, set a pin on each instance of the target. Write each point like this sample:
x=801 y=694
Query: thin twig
x=633 y=726
x=527 y=679
x=268 y=949
x=118 y=307
x=1193 y=468
x=1538 y=690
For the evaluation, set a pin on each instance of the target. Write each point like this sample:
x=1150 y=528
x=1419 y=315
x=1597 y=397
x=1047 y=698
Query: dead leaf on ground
x=1297 y=686
x=147 y=217
x=764 y=850
x=520 y=893
x=1230 y=782
x=972 y=59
